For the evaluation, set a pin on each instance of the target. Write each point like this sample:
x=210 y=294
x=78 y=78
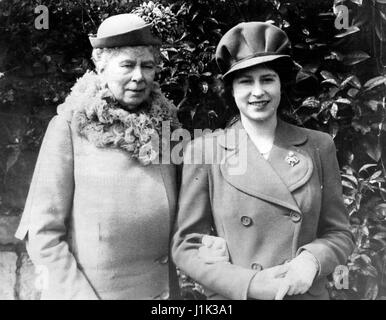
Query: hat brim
x=255 y=61
x=137 y=37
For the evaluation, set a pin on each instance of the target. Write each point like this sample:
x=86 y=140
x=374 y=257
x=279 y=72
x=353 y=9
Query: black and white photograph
x=192 y=151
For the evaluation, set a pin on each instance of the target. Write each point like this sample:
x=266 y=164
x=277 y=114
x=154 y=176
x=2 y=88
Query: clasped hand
x=292 y=278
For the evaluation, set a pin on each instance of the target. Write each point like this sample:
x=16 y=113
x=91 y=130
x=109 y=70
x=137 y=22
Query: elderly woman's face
x=257 y=92
x=130 y=75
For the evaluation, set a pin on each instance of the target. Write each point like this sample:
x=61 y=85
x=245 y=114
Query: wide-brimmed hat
x=123 y=30
x=252 y=43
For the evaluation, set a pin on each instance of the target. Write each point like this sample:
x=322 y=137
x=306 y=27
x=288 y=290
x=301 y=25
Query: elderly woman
x=98 y=215
x=281 y=213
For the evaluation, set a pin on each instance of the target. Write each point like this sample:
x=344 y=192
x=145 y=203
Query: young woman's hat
x=123 y=30
x=251 y=43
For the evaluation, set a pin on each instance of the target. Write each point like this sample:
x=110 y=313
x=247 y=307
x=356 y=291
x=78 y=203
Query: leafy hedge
x=340 y=90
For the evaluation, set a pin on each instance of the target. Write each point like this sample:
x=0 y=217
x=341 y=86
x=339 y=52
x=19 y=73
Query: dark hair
x=287 y=75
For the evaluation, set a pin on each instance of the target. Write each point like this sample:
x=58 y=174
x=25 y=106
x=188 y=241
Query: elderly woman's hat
x=123 y=30
x=252 y=43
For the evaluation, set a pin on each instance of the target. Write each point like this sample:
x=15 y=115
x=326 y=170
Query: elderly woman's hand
x=300 y=274
x=213 y=249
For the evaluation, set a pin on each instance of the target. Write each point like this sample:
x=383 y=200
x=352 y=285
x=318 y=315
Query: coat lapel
x=271 y=180
x=286 y=146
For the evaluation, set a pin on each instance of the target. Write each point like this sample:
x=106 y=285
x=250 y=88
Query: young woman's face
x=257 y=92
x=130 y=75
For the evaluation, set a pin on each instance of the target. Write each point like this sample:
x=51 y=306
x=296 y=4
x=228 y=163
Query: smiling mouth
x=136 y=90
x=259 y=104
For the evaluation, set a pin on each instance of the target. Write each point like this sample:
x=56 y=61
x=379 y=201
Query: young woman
x=283 y=217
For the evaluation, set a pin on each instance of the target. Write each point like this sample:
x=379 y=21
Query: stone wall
x=17 y=273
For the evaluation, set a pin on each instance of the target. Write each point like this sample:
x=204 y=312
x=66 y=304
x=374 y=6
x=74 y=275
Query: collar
x=286 y=135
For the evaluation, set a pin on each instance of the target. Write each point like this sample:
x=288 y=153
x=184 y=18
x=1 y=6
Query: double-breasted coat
x=268 y=212
x=96 y=221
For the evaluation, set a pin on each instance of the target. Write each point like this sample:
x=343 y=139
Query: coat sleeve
x=334 y=242
x=46 y=214
x=194 y=220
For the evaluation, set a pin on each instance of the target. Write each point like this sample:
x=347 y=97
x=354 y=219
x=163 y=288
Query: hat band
x=137 y=37
x=255 y=55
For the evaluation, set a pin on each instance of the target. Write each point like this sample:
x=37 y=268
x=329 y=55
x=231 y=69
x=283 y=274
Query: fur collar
x=102 y=120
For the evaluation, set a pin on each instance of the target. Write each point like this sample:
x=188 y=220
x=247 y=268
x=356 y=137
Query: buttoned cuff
x=312 y=258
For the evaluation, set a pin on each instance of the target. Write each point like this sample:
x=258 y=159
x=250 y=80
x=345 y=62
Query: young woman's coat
x=266 y=210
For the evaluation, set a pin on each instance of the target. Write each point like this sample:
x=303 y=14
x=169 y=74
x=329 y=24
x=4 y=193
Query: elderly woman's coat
x=268 y=211
x=96 y=221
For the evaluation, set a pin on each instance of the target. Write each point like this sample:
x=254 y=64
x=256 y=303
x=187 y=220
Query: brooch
x=292 y=159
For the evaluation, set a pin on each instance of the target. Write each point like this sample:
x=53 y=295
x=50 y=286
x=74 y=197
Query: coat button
x=257 y=266
x=163 y=260
x=246 y=221
x=295 y=216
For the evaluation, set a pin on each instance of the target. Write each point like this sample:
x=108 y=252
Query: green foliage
x=340 y=90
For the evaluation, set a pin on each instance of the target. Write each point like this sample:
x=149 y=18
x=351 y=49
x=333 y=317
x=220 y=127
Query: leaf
x=346 y=81
x=333 y=91
x=311 y=67
x=304 y=75
x=355 y=82
x=336 y=2
x=380 y=236
x=343 y=100
x=334 y=56
x=333 y=129
x=374 y=82
x=355 y=58
x=380 y=209
x=334 y=110
x=311 y=102
x=365 y=258
x=328 y=75
x=301 y=46
x=376 y=175
x=373 y=104
x=165 y=54
x=332 y=81
x=373 y=151
x=351 y=178
x=350 y=30
x=212 y=20
x=217 y=32
x=383 y=15
x=185 y=35
x=352 y=92
x=171 y=49
x=195 y=15
x=366 y=166
x=347 y=185
x=325 y=105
